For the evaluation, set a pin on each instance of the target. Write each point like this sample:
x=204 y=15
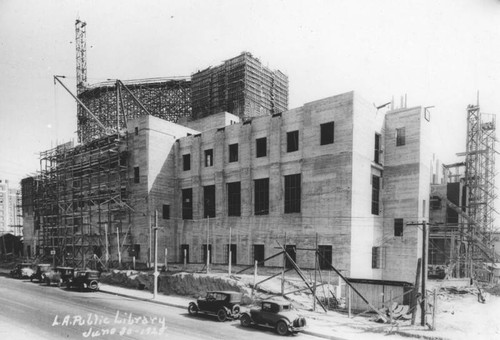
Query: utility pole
x=155 y=285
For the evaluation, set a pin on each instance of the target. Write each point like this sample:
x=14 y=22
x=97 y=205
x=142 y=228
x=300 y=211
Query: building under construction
x=462 y=209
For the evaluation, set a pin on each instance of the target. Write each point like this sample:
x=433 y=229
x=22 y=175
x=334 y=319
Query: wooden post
x=254 y=277
x=283 y=270
x=119 y=252
x=166 y=261
x=315 y=272
x=414 y=303
x=434 y=310
x=390 y=307
x=229 y=252
x=423 y=307
x=133 y=262
x=349 y=297
x=208 y=247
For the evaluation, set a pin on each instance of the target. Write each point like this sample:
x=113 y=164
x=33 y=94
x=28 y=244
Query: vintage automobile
x=41 y=268
x=57 y=276
x=224 y=304
x=278 y=314
x=84 y=279
x=22 y=270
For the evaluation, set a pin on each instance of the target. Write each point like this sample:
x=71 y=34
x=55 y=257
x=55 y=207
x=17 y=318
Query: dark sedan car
x=224 y=304
x=277 y=314
x=84 y=280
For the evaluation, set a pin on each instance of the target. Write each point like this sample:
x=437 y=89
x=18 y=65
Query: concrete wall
x=406 y=191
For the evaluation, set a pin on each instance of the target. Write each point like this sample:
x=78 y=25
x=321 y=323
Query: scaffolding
x=241 y=86
x=480 y=186
x=81 y=202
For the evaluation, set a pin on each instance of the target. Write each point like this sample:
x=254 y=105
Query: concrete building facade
x=10 y=216
x=334 y=173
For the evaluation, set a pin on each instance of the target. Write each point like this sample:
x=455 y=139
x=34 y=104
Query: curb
x=319 y=335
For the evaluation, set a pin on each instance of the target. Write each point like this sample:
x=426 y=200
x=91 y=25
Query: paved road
x=32 y=311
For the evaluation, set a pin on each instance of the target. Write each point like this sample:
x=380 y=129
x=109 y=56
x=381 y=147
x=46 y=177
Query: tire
x=245 y=320
x=281 y=328
x=93 y=285
x=236 y=310
x=221 y=315
x=192 y=309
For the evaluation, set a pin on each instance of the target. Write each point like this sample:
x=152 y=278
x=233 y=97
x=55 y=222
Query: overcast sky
x=438 y=53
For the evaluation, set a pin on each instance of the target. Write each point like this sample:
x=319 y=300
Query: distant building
x=10 y=216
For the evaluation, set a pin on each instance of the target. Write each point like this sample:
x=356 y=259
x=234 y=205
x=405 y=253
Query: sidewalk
x=327 y=326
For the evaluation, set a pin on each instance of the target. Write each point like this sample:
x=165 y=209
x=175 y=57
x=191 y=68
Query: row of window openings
x=324 y=259
x=261 y=198
x=292 y=145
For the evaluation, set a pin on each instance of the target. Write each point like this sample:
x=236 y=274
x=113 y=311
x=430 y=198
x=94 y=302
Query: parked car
x=84 y=279
x=277 y=314
x=41 y=268
x=22 y=271
x=57 y=276
x=224 y=304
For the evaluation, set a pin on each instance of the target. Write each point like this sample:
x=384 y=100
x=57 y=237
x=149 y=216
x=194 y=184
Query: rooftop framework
x=81 y=202
x=113 y=103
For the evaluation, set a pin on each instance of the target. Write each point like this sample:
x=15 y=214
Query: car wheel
x=221 y=315
x=192 y=309
x=93 y=285
x=236 y=310
x=281 y=328
x=245 y=320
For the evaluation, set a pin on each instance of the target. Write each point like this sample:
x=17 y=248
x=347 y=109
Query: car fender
x=246 y=313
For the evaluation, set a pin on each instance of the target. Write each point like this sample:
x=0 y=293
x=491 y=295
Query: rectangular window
x=136 y=131
x=400 y=137
x=261 y=147
x=291 y=251
x=209 y=157
x=376 y=157
x=187 y=204
x=292 y=193
x=135 y=250
x=292 y=141
x=233 y=153
x=435 y=203
x=261 y=192
x=377 y=258
x=209 y=201
x=204 y=250
x=186 y=162
x=258 y=253
x=185 y=253
x=327 y=133
x=234 y=199
x=325 y=258
x=398 y=227
x=233 y=253
x=375 y=194
x=166 y=212
x=136 y=175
